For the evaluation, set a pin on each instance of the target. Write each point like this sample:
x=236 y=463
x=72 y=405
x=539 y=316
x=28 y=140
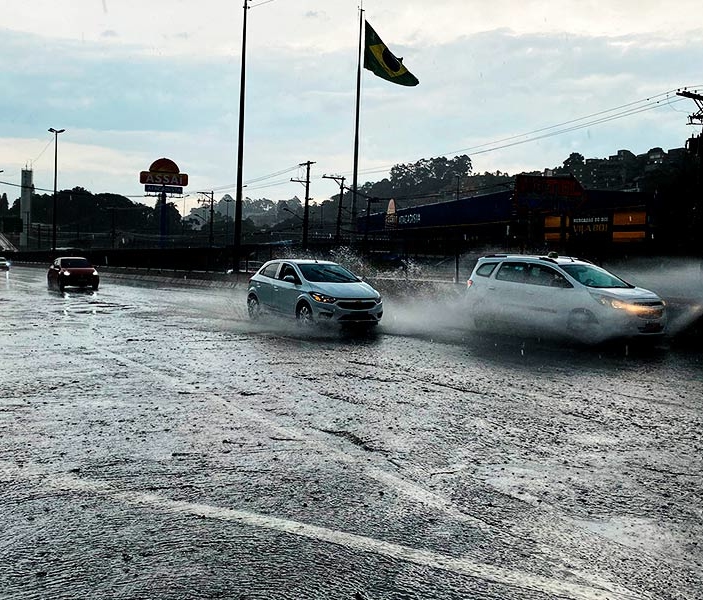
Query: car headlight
x=621 y=305
x=378 y=300
x=95 y=272
x=611 y=302
x=324 y=298
x=65 y=272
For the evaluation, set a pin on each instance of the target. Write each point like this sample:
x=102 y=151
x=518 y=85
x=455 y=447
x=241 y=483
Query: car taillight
x=469 y=283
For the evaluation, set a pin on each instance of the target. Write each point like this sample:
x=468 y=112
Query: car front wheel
x=253 y=307
x=304 y=315
x=583 y=325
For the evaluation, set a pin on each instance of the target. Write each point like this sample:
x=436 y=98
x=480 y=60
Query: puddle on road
x=89 y=302
x=637 y=533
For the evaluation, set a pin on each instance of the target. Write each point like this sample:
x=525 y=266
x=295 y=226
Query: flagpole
x=355 y=179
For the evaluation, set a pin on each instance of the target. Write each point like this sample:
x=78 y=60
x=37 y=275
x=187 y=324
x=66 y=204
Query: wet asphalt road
x=155 y=444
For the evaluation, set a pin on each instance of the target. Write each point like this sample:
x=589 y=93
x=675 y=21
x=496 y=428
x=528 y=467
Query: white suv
x=560 y=295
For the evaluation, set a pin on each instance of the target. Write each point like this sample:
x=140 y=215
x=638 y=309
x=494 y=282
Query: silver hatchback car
x=560 y=296
x=313 y=291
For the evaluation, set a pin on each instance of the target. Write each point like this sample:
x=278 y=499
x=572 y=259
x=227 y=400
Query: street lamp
x=56 y=154
x=237 y=242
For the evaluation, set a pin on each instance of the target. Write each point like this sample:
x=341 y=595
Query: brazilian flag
x=382 y=62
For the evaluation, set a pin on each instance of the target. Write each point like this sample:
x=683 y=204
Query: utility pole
x=307 y=201
x=338 y=230
x=210 y=197
x=695 y=146
x=369 y=200
x=113 y=233
x=698 y=99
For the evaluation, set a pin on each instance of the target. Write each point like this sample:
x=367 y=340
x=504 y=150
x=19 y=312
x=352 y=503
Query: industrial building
x=541 y=212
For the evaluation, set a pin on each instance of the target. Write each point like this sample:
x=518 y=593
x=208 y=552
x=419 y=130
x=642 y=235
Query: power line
x=498 y=145
x=667 y=98
x=231 y=186
x=44 y=150
x=625 y=110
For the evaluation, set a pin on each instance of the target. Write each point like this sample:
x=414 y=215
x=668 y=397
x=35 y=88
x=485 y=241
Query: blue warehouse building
x=540 y=212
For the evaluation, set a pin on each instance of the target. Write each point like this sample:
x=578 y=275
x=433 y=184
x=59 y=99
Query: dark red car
x=72 y=271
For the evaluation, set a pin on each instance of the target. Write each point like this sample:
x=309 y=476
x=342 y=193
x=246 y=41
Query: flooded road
x=156 y=444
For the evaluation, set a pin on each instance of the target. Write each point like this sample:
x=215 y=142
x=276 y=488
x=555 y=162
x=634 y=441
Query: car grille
x=651 y=328
x=650 y=310
x=359 y=317
x=356 y=304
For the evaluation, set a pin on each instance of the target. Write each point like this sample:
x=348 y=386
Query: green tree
x=415 y=183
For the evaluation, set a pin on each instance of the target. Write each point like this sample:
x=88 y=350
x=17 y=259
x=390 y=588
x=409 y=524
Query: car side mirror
x=289 y=279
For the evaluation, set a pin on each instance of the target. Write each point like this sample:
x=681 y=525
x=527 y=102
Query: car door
x=507 y=292
x=547 y=298
x=263 y=284
x=286 y=289
x=53 y=273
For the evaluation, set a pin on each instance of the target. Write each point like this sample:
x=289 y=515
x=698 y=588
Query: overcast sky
x=133 y=81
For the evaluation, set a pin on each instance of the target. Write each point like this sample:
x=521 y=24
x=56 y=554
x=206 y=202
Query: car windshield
x=595 y=277
x=328 y=273
x=75 y=262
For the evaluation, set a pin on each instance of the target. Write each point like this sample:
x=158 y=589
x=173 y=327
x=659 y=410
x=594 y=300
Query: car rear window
x=486 y=269
x=512 y=271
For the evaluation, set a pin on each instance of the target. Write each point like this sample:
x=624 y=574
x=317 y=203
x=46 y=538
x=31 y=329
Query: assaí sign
x=163 y=172
x=147 y=177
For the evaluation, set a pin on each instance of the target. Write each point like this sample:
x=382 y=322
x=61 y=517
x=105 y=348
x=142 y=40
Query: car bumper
x=625 y=326
x=80 y=281
x=344 y=313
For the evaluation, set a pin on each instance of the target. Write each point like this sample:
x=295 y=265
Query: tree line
x=425 y=181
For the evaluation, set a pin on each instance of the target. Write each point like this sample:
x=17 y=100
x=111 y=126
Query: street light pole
x=236 y=246
x=56 y=157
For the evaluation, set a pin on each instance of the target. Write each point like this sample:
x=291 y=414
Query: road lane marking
x=401 y=485
x=436 y=560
